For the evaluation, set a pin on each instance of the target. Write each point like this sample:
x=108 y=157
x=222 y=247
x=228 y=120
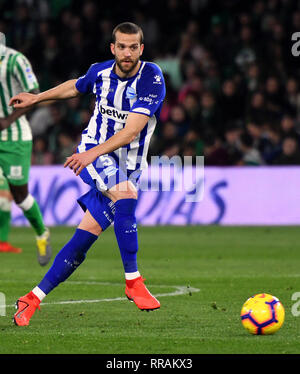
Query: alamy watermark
x=176 y=174
x=2 y=305
x=296 y=306
x=296 y=46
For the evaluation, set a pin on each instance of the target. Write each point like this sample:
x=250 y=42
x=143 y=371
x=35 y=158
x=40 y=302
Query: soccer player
x=16 y=75
x=5 y=216
x=112 y=152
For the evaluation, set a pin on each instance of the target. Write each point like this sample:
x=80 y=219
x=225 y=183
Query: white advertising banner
x=225 y=196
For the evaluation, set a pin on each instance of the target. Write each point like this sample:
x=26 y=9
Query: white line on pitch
x=179 y=290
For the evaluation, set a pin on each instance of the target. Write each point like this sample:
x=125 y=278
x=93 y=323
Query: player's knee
x=124 y=190
x=25 y=203
x=19 y=193
x=92 y=228
x=126 y=194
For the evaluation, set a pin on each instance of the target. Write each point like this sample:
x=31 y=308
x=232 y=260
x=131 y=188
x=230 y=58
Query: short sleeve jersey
x=16 y=75
x=116 y=98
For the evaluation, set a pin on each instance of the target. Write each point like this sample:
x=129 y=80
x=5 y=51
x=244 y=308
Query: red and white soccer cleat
x=137 y=292
x=7 y=247
x=26 y=306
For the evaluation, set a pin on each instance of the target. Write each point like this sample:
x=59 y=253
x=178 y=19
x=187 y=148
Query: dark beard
x=127 y=71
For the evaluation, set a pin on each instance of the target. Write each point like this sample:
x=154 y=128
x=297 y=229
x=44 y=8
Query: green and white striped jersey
x=16 y=76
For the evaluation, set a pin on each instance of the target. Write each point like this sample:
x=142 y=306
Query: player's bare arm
x=7 y=121
x=16 y=114
x=134 y=125
x=66 y=90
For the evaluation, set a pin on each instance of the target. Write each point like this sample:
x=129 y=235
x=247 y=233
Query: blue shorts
x=104 y=173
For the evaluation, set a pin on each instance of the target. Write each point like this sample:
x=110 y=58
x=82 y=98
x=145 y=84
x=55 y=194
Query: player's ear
x=142 y=49
x=112 y=48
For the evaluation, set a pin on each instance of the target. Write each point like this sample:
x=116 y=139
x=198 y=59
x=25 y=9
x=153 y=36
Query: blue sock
x=67 y=260
x=126 y=233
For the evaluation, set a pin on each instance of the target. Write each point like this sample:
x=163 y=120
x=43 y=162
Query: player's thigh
x=107 y=176
x=110 y=177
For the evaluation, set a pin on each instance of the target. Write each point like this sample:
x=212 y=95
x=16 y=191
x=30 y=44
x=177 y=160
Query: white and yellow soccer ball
x=262 y=314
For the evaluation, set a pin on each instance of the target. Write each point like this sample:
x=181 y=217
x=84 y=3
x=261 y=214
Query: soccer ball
x=262 y=314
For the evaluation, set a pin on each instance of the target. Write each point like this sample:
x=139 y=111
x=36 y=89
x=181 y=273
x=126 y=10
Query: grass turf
x=227 y=265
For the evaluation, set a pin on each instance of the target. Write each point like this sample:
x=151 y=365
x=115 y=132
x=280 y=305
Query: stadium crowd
x=233 y=91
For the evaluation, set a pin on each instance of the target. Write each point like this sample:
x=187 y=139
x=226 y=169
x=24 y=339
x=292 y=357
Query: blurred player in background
x=16 y=76
x=111 y=154
x=5 y=216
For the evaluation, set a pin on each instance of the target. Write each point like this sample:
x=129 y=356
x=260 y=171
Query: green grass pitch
x=203 y=273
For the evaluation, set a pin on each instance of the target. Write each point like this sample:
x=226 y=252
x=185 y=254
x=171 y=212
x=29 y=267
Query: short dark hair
x=128 y=28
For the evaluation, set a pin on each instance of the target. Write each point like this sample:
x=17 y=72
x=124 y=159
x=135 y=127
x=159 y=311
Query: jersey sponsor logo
x=112 y=113
x=130 y=93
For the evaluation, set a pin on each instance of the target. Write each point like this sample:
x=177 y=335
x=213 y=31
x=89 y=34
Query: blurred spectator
x=167 y=141
x=288 y=126
x=231 y=103
x=257 y=111
x=273 y=97
x=208 y=119
x=180 y=119
x=189 y=150
x=58 y=125
x=65 y=147
x=246 y=49
x=190 y=105
x=293 y=97
x=232 y=137
x=40 y=120
x=40 y=153
x=251 y=155
x=214 y=152
x=271 y=146
x=73 y=115
x=290 y=154
x=193 y=85
x=253 y=77
x=216 y=40
x=256 y=131
x=23 y=28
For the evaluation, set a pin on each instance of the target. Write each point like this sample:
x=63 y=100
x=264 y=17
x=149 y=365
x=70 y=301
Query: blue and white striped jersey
x=115 y=99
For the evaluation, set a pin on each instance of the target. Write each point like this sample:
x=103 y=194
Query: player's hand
x=23 y=100
x=78 y=161
x=4 y=123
